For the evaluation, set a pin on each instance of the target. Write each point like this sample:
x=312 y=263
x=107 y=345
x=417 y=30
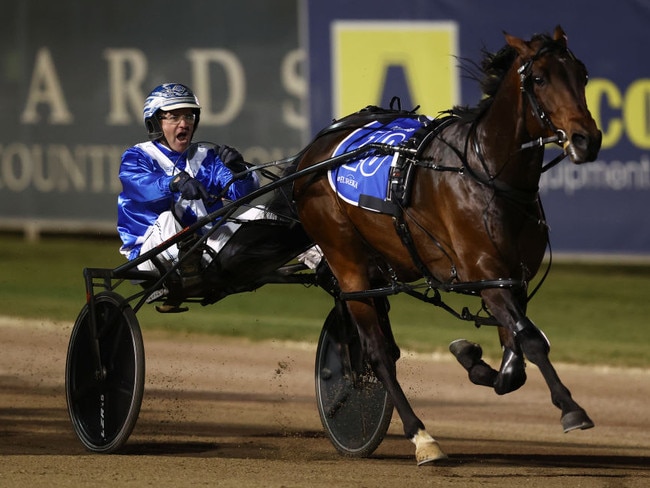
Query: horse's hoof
x=427 y=449
x=578 y=419
x=467 y=353
x=434 y=454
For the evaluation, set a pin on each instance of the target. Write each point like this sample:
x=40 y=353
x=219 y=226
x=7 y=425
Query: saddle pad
x=368 y=176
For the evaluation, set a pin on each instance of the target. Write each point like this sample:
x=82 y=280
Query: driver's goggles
x=175 y=119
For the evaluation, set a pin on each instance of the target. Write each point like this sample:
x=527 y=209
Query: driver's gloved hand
x=231 y=159
x=189 y=188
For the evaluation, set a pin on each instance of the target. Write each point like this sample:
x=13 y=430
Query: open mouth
x=183 y=136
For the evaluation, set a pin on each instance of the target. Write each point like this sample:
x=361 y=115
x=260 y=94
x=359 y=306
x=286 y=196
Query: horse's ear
x=559 y=35
x=520 y=45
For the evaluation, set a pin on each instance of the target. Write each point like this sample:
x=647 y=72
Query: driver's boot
x=191 y=270
x=191 y=282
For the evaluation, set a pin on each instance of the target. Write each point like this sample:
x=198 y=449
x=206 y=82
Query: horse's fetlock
x=422 y=436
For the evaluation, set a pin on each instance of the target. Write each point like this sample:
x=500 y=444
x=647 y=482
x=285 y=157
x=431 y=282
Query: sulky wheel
x=104 y=375
x=354 y=407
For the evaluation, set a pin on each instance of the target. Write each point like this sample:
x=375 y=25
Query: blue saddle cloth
x=368 y=176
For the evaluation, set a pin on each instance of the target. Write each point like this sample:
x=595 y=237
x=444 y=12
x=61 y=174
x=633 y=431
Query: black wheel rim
x=103 y=404
x=354 y=407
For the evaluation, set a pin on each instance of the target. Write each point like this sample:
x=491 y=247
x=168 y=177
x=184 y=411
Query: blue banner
x=364 y=52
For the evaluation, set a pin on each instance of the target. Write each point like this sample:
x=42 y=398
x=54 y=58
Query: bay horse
x=473 y=219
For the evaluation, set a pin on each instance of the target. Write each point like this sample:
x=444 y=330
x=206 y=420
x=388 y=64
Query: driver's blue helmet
x=168 y=96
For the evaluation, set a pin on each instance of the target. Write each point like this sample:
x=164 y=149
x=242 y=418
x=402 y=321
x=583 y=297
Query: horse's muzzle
x=583 y=147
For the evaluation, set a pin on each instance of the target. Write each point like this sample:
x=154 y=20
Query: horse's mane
x=491 y=71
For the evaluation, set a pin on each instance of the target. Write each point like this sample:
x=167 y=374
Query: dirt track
x=228 y=413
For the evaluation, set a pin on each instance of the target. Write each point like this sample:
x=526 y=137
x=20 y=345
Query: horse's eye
x=539 y=80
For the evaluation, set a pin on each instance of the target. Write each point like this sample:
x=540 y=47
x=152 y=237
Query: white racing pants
x=166 y=226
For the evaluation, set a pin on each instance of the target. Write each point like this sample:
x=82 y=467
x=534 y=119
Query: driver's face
x=178 y=128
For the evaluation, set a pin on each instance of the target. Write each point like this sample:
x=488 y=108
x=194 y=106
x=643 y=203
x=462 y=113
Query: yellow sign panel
x=364 y=52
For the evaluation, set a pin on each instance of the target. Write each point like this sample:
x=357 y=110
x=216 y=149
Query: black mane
x=492 y=69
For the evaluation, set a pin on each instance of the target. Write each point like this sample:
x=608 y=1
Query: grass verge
x=592 y=313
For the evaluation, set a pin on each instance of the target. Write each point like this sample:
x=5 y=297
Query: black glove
x=190 y=188
x=232 y=159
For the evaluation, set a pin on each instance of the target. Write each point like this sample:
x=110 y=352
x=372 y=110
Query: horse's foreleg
x=470 y=356
x=380 y=350
x=536 y=347
x=511 y=374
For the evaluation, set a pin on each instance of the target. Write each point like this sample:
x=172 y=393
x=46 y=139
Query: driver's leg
x=162 y=229
x=226 y=230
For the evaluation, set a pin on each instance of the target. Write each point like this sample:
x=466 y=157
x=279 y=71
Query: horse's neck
x=500 y=134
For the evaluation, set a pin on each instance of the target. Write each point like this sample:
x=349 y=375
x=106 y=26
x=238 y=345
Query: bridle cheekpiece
x=526 y=86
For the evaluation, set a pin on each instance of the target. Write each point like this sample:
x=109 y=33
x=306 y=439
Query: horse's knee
x=512 y=374
x=532 y=341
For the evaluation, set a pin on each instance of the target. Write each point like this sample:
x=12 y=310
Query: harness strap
x=500 y=187
x=403 y=231
x=469 y=287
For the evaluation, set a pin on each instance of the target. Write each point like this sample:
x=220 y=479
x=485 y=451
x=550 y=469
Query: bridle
x=526 y=86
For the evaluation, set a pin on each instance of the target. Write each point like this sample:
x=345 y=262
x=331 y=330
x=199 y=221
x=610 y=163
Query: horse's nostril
x=585 y=147
x=579 y=141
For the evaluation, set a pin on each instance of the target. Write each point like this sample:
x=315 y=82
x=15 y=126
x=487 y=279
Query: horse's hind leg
x=381 y=352
x=382 y=306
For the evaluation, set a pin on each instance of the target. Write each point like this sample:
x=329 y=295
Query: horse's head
x=553 y=81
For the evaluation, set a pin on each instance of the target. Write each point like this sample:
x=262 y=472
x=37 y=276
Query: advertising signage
x=74 y=75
